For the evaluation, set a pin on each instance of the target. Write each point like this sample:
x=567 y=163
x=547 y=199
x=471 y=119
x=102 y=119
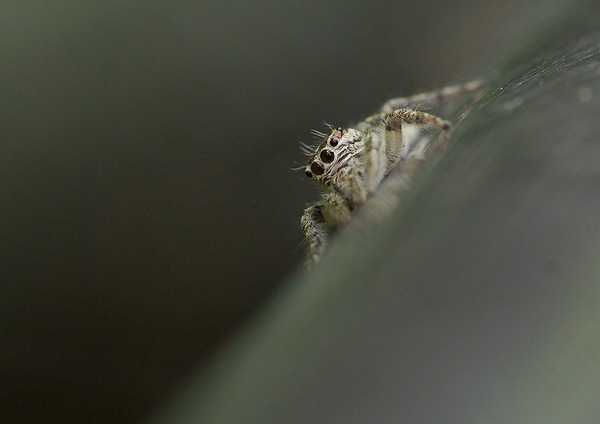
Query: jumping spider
x=351 y=163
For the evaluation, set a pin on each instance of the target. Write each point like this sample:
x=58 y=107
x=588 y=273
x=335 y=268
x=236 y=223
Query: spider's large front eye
x=317 y=168
x=327 y=156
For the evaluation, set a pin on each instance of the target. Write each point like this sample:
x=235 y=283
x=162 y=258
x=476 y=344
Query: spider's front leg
x=434 y=98
x=361 y=175
x=315 y=232
x=375 y=158
x=394 y=120
x=318 y=219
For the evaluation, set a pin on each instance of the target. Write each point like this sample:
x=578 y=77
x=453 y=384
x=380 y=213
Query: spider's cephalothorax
x=351 y=163
x=341 y=149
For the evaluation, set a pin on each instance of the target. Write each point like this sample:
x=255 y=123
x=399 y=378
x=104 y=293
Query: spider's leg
x=434 y=98
x=317 y=220
x=375 y=160
x=395 y=119
x=336 y=209
x=315 y=232
x=350 y=187
x=393 y=143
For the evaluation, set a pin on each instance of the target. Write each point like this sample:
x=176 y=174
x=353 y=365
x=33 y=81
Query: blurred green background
x=146 y=197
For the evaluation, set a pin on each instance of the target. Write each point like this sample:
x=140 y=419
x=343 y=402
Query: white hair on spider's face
x=334 y=153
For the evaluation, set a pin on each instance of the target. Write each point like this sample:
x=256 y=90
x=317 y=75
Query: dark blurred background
x=147 y=202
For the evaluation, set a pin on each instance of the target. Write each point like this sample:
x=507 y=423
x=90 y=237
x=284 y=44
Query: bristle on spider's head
x=307 y=150
x=318 y=134
x=299 y=167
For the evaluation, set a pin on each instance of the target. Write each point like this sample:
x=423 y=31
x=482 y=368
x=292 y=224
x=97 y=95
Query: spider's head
x=333 y=154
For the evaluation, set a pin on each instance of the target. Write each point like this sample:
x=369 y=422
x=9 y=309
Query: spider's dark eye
x=317 y=168
x=308 y=173
x=327 y=156
x=333 y=142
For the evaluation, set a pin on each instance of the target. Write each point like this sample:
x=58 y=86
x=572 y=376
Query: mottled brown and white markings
x=351 y=163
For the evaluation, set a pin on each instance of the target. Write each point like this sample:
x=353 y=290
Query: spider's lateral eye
x=333 y=142
x=308 y=173
x=327 y=156
x=317 y=168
